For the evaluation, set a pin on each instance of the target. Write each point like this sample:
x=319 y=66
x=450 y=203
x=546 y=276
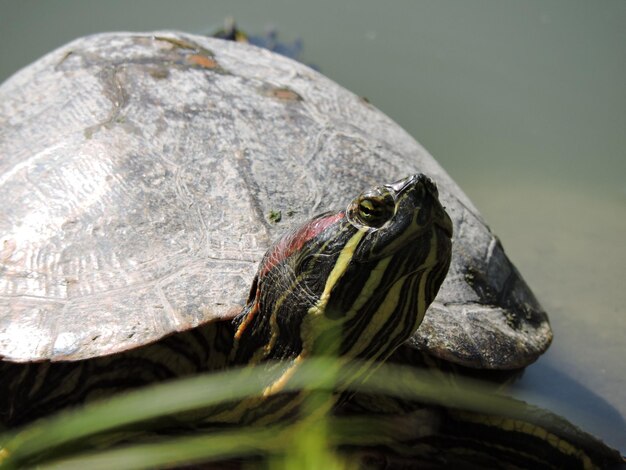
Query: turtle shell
x=143 y=176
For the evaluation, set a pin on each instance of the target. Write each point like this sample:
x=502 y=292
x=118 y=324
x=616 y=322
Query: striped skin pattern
x=440 y=438
x=415 y=435
x=354 y=283
x=345 y=284
x=29 y=391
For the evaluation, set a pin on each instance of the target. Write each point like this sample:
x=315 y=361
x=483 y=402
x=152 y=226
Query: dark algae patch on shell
x=275 y=216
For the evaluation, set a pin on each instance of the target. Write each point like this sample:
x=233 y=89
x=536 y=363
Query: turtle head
x=355 y=282
x=395 y=215
x=388 y=272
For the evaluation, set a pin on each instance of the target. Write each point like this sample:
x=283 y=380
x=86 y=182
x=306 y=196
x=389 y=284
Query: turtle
x=144 y=176
x=175 y=204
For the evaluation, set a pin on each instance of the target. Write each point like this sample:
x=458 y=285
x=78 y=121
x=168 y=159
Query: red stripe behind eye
x=293 y=242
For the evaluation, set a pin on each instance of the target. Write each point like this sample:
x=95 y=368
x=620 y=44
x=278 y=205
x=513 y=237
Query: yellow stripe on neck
x=315 y=322
x=337 y=272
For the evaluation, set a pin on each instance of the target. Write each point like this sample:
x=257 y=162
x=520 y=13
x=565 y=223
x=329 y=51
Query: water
x=524 y=103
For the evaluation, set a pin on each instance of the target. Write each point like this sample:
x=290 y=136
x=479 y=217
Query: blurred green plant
x=140 y=429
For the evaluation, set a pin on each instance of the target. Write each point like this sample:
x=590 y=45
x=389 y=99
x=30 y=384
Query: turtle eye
x=372 y=210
